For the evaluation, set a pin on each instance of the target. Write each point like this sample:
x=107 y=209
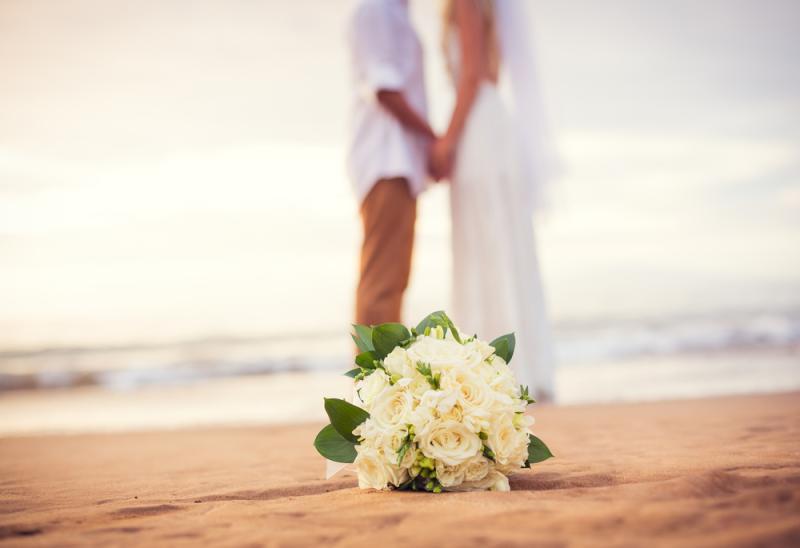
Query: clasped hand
x=441 y=157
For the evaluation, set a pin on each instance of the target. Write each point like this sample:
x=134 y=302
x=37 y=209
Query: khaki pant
x=388 y=214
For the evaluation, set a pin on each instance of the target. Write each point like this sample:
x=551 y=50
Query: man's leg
x=388 y=214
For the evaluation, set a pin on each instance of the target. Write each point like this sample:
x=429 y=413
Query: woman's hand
x=442 y=158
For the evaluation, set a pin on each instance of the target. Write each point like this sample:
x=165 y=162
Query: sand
x=709 y=472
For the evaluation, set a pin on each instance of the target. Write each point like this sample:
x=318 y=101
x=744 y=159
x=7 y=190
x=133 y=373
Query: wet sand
x=707 y=472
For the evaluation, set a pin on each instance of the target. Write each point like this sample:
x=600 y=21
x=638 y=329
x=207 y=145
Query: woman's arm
x=469 y=22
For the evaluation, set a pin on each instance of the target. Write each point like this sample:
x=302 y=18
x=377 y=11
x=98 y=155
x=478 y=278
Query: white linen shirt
x=386 y=54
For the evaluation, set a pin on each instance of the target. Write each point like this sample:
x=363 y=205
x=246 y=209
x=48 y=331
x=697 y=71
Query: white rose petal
x=449 y=476
x=477 y=468
x=448 y=441
x=494 y=481
x=371 y=386
x=398 y=363
x=372 y=470
x=392 y=407
x=443 y=354
x=509 y=445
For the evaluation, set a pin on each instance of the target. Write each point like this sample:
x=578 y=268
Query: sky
x=175 y=169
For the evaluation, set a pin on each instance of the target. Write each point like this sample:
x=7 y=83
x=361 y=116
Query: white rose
x=449 y=441
x=398 y=363
x=422 y=415
x=371 y=386
x=397 y=474
x=499 y=482
x=471 y=391
x=440 y=400
x=481 y=347
x=449 y=476
x=523 y=422
x=510 y=446
x=477 y=468
x=493 y=481
x=442 y=354
x=370 y=433
x=372 y=469
x=391 y=443
x=418 y=386
x=499 y=376
x=392 y=407
x=455 y=413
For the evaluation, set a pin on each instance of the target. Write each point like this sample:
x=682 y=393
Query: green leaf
x=353 y=373
x=366 y=360
x=387 y=336
x=331 y=445
x=345 y=417
x=407 y=485
x=433 y=379
x=362 y=337
x=504 y=346
x=403 y=450
x=537 y=450
x=525 y=395
x=438 y=318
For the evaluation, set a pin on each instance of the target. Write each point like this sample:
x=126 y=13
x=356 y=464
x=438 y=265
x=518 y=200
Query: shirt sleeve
x=375 y=44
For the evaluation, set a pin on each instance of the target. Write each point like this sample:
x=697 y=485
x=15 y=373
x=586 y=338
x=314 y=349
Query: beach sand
x=707 y=472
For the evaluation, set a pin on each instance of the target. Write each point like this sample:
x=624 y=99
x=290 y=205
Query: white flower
x=442 y=354
x=398 y=363
x=510 y=446
x=449 y=476
x=372 y=469
x=448 y=441
x=499 y=376
x=392 y=407
x=418 y=386
x=472 y=391
x=493 y=481
x=397 y=474
x=477 y=468
x=392 y=441
x=440 y=400
x=474 y=398
x=481 y=347
x=371 y=386
x=455 y=413
x=523 y=422
x=499 y=482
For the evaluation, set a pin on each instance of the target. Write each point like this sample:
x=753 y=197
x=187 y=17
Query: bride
x=495 y=161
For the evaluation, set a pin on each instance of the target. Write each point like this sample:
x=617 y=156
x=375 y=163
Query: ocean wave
x=136 y=366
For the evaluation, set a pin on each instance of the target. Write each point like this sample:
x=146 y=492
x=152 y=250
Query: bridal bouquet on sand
x=435 y=411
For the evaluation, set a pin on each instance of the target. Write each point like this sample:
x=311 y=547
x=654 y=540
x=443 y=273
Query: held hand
x=442 y=157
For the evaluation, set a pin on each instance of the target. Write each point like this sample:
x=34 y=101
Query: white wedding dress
x=497 y=287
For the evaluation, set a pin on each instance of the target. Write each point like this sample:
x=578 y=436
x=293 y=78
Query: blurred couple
x=491 y=154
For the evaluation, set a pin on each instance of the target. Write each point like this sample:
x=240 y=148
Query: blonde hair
x=492 y=46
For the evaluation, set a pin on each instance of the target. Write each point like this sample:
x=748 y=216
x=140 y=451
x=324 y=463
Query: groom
x=388 y=150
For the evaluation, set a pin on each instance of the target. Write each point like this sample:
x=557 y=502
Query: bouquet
x=435 y=411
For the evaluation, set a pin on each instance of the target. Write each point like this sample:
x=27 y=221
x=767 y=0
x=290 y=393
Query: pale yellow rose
x=392 y=407
x=449 y=476
x=371 y=386
x=476 y=468
x=448 y=441
x=510 y=446
x=373 y=473
x=443 y=354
